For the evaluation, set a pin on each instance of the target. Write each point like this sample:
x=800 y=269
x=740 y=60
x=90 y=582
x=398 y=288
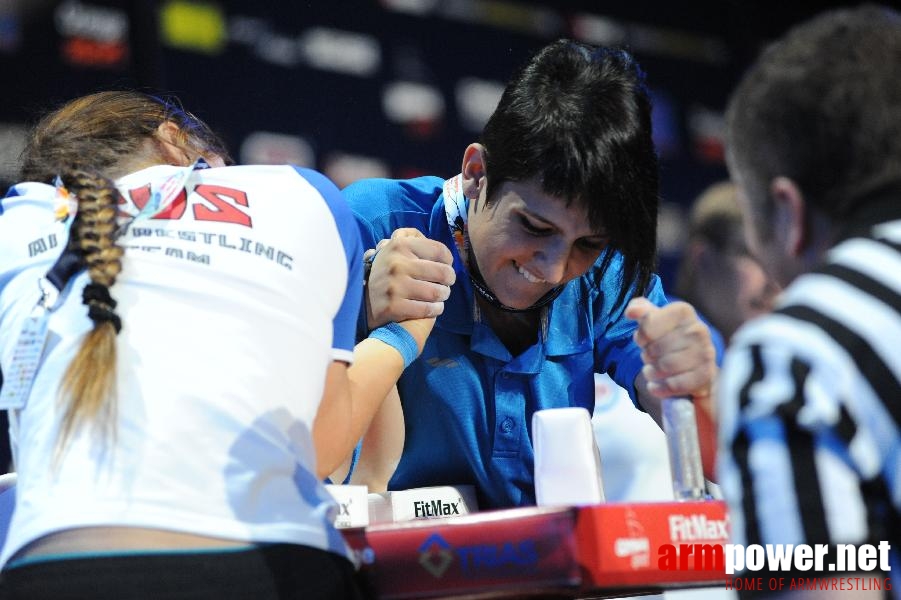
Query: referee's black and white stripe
x=810 y=401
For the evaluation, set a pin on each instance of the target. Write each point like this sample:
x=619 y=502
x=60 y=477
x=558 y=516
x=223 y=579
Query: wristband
x=367 y=265
x=363 y=319
x=398 y=338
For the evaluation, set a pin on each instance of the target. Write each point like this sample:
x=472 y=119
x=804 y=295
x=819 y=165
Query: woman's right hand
x=410 y=279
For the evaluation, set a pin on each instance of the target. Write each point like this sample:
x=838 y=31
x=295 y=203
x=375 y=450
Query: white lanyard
x=456 y=207
x=29 y=348
x=163 y=193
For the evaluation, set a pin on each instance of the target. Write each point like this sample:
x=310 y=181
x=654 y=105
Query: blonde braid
x=88 y=386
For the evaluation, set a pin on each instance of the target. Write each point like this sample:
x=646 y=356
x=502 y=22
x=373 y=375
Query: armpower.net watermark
x=804 y=566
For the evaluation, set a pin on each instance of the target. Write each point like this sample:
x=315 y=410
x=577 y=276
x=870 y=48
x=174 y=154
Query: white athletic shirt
x=234 y=300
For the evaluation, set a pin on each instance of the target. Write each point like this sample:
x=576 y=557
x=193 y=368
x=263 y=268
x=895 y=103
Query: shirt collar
x=458 y=308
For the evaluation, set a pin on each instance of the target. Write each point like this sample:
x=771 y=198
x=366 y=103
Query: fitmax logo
x=696 y=527
x=435 y=508
x=344 y=518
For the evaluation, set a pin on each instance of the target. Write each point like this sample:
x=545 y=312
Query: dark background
x=315 y=82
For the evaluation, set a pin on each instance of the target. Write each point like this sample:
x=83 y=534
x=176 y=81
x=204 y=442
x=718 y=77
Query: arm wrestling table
x=598 y=551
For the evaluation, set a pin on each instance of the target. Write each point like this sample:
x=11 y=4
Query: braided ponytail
x=113 y=133
x=88 y=386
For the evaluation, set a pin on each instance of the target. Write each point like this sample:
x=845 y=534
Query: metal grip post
x=684 y=449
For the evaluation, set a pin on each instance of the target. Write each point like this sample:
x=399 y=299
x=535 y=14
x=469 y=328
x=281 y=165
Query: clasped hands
x=411 y=276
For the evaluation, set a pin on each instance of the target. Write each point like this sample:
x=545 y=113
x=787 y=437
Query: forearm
x=376 y=369
x=352 y=397
x=648 y=401
x=383 y=445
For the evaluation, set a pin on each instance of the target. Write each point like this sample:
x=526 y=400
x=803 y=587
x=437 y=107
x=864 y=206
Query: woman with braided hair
x=93 y=240
x=176 y=338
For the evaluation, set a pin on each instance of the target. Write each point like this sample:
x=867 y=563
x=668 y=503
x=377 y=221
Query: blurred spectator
x=718 y=274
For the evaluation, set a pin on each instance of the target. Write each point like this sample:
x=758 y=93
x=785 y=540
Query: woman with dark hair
x=175 y=336
x=552 y=227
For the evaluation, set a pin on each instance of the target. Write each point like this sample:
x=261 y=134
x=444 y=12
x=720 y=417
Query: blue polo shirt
x=467 y=402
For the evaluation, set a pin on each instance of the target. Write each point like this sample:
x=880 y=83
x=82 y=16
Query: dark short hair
x=578 y=118
x=821 y=107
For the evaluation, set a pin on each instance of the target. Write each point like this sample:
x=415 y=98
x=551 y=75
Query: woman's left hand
x=676 y=348
x=679 y=360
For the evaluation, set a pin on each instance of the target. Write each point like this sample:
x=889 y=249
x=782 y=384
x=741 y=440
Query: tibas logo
x=436 y=556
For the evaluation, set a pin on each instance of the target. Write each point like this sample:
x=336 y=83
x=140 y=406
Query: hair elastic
x=101 y=306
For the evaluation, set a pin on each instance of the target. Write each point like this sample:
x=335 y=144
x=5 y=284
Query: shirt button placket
x=507 y=403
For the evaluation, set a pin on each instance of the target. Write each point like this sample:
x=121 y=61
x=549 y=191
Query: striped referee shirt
x=810 y=401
